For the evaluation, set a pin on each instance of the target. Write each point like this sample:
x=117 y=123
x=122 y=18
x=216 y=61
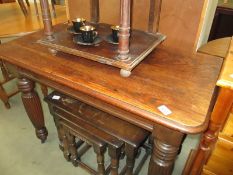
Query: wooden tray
x=141 y=44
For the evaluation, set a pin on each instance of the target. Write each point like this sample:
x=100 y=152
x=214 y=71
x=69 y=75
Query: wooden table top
x=226 y=76
x=184 y=84
x=227 y=4
x=218 y=47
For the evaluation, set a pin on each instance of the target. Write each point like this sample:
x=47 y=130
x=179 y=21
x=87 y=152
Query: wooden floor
x=12 y=20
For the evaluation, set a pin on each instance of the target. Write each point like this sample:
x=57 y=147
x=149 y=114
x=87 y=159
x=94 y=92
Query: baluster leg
x=4 y=97
x=165 y=149
x=100 y=158
x=59 y=131
x=72 y=149
x=219 y=115
x=5 y=73
x=64 y=134
x=3 y=94
x=131 y=153
x=115 y=154
x=33 y=107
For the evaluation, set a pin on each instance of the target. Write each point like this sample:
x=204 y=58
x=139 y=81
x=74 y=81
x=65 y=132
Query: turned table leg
x=23 y=7
x=166 y=146
x=33 y=107
x=218 y=117
x=36 y=7
x=4 y=97
x=53 y=2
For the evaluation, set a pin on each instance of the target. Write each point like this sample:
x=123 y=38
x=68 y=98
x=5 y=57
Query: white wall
x=207 y=23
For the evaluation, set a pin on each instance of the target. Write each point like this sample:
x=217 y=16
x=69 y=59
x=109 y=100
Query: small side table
x=220 y=113
x=218 y=47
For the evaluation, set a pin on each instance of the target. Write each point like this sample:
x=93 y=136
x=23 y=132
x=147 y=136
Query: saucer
x=78 y=40
x=109 y=39
x=71 y=30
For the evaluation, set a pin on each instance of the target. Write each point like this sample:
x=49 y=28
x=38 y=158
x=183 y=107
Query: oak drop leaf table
x=169 y=93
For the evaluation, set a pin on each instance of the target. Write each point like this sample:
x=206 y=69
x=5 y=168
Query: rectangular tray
x=141 y=44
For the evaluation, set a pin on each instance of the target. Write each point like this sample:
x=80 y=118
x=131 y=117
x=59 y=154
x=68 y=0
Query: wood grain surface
x=226 y=78
x=185 y=84
x=218 y=47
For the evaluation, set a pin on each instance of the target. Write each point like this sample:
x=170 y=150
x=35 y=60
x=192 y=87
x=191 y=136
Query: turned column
x=167 y=143
x=131 y=153
x=23 y=8
x=114 y=154
x=47 y=21
x=95 y=11
x=124 y=32
x=36 y=7
x=100 y=150
x=33 y=107
x=5 y=72
x=72 y=148
x=4 y=97
x=154 y=15
x=219 y=115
